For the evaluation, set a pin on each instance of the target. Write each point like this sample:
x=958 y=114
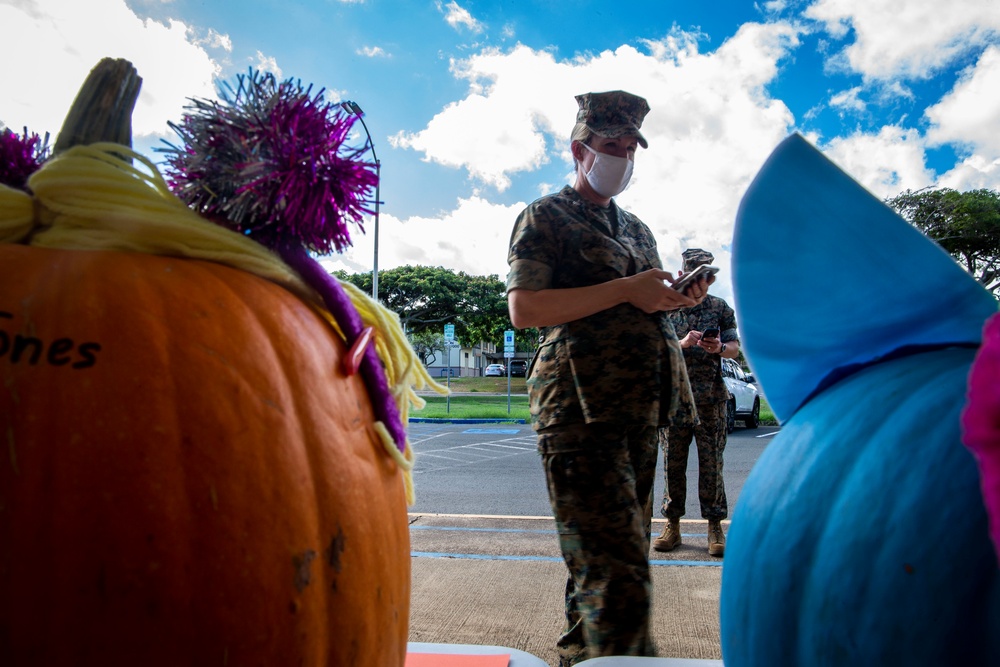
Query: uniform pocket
x=552 y=395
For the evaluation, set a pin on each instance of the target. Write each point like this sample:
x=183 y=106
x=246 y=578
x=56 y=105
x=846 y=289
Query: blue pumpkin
x=860 y=536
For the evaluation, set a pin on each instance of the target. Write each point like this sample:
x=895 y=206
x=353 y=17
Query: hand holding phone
x=683 y=283
x=712 y=332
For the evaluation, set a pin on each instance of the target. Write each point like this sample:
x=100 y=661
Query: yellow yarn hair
x=93 y=198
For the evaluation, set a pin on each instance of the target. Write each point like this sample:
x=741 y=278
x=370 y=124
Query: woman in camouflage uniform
x=608 y=372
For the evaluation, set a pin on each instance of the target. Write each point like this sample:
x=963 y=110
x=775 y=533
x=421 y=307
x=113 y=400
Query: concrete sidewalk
x=500 y=581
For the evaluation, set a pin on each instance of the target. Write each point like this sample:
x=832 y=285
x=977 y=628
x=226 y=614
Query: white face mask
x=609 y=174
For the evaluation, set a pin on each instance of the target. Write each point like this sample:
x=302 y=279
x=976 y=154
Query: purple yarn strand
x=343 y=310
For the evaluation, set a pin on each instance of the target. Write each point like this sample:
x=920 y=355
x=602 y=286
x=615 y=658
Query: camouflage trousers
x=600 y=481
x=710 y=438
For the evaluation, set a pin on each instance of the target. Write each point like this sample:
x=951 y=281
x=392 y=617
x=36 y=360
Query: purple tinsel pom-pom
x=269 y=161
x=21 y=155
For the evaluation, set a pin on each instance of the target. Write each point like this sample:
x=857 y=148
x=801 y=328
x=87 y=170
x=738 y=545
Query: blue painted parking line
x=483 y=530
x=686 y=563
x=538 y=531
x=441 y=554
x=554 y=559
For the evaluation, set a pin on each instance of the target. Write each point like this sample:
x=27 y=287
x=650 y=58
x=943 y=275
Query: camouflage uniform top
x=704 y=369
x=620 y=365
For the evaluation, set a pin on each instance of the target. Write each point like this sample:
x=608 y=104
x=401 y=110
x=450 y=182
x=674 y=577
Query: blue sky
x=470 y=103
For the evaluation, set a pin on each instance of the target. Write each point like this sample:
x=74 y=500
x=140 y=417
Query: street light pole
x=353 y=108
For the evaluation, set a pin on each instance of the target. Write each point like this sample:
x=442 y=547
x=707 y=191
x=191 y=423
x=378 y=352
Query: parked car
x=744 y=401
x=518 y=367
x=495 y=370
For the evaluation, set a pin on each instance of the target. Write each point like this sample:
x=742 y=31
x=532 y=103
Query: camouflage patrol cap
x=695 y=257
x=613 y=114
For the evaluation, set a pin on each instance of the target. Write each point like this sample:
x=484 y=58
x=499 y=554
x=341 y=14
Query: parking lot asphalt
x=499 y=580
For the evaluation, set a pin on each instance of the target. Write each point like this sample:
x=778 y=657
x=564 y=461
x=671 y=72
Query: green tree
x=427 y=345
x=426 y=298
x=423 y=297
x=965 y=224
x=483 y=311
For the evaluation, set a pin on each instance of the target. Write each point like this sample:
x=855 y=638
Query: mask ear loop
x=595 y=152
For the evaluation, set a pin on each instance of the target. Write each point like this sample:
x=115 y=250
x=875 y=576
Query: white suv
x=744 y=403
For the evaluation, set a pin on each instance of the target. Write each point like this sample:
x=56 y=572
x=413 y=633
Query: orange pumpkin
x=187 y=476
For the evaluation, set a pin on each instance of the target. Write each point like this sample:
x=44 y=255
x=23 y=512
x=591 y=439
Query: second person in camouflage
x=702 y=356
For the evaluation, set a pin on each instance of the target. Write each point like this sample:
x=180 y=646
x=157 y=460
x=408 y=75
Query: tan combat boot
x=716 y=539
x=670 y=537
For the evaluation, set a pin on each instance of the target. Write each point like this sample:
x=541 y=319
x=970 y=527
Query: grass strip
x=494 y=406
x=473 y=407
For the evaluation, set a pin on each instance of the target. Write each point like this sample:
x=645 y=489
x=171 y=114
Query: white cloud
x=372 y=52
x=711 y=127
x=968 y=117
x=217 y=41
x=969 y=114
x=75 y=36
x=522 y=99
x=886 y=163
x=459 y=17
x=508 y=143
x=907 y=38
x=894 y=90
x=848 y=100
x=773 y=6
x=712 y=123
x=267 y=63
x=471 y=238
x=973 y=173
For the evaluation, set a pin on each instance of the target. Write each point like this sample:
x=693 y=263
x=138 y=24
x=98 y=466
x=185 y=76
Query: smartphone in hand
x=684 y=282
x=712 y=332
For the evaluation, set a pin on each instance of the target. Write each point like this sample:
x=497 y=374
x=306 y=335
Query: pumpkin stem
x=102 y=110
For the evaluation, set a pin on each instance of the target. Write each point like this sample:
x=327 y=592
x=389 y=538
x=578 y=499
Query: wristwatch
x=722 y=350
